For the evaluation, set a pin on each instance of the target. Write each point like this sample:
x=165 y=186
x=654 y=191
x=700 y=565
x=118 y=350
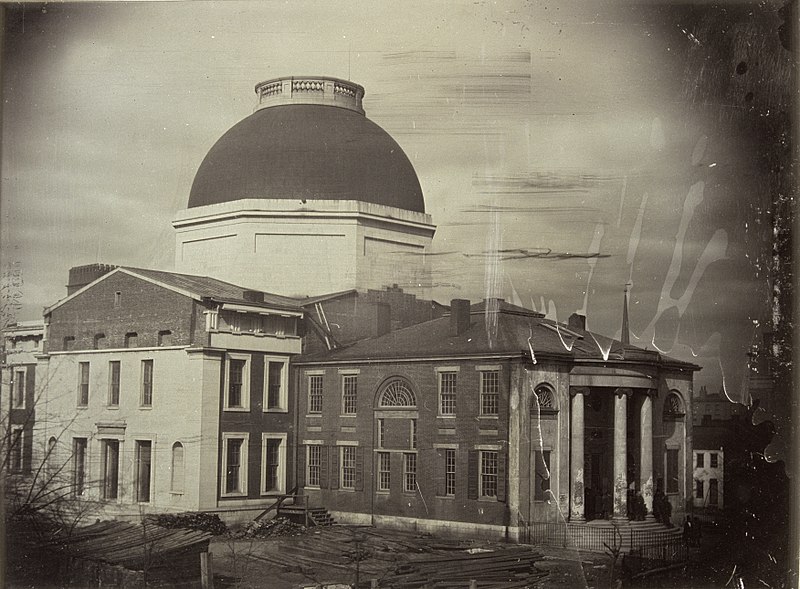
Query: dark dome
x=307 y=151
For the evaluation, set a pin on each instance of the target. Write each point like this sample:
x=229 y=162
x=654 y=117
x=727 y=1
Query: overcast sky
x=553 y=141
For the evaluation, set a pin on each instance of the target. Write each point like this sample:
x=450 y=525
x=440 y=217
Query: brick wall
x=143 y=307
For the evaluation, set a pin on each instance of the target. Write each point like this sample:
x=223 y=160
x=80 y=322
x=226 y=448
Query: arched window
x=177 y=467
x=51 y=455
x=545 y=396
x=673 y=406
x=397 y=394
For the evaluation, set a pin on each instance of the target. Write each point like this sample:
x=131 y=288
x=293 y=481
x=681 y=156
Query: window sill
x=313 y=414
x=346 y=489
x=383 y=492
x=488 y=499
x=82 y=407
x=276 y=410
x=350 y=415
x=233 y=495
x=446 y=416
x=488 y=417
x=177 y=493
x=146 y=408
x=112 y=407
x=272 y=493
x=446 y=497
x=237 y=409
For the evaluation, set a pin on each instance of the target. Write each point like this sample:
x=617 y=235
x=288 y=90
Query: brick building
x=489 y=420
x=168 y=392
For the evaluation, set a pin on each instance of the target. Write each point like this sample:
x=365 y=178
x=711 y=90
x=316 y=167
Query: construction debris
x=279 y=526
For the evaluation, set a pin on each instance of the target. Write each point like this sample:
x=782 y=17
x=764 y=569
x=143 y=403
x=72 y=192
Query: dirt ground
x=344 y=554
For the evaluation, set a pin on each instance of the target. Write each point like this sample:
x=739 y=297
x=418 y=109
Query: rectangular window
x=79 y=447
x=314 y=465
x=413 y=434
x=490 y=392
x=488 y=480
x=713 y=492
x=131 y=339
x=237 y=385
x=113 y=383
x=110 y=479
x=117 y=299
x=83 y=384
x=542 y=490
x=165 y=338
x=348 y=468
x=698 y=489
x=147 y=383
x=273 y=452
x=384 y=471
x=276 y=393
x=234 y=464
x=15 y=451
x=315 y=393
x=700 y=459
x=178 y=472
x=450 y=472
x=143 y=470
x=447 y=393
x=349 y=394
x=673 y=485
x=381 y=432
x=19 y=389
x=409 y=472
x=714 y=460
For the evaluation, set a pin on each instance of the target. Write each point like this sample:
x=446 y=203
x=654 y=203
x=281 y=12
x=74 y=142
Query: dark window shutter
x=323 y=467
x=301 y=467
x=438 y=474
x=334 y=467
x=30 y=385
x=473 y=473
x=359 y=469
x=501 y=475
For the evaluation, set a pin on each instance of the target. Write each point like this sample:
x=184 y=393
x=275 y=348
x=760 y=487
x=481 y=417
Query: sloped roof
x=509 y=331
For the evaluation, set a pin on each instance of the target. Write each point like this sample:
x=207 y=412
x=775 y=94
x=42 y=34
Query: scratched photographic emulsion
x=466 y=294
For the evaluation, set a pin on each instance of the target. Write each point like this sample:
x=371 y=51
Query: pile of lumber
x=499 y=568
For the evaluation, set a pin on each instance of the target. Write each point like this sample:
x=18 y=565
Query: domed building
x=306 y=196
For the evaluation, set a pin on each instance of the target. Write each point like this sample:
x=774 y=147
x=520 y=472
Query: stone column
x=646 y=453
x=620 y=454
x=576 y=498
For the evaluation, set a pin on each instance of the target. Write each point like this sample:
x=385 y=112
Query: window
x=237 y=389
x=714 y=460
x=99 y=341
x=164 y=338
x=672 y=471
x=447 y=393
x=83 y=384
x=384 y=471
x=69 y=342
x=349 y=394
x=673 y=408
x=50 y=457
x=234 y=464
x=397 y=394
x=79 y=447
x=178 y=469
x=143 y=469
x=409 y=472
x=700 y=460
x=713 y=492
x=450 y=472
x=381 y=432
x=147 y=383
x=117 y=299
x=19 y=389
x=315 y=393
x=131 y=339
x=113 y=383
x=541 y=491
x=544 y=396
x=314 y=465
x=348 y=471
x=488 y=477
x=273 y=463
x=110 y=477
x=15 y=451
x=490 y=392
x=413 y=434
x=277 y=397
x=698 y=489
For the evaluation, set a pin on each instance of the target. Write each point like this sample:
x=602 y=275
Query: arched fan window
x=673 y=407
x=545 y=396
x=397 y=394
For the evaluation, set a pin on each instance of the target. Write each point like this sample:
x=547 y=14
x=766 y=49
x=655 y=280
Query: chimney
x=80 y=276
x=381 y=319
x=577 y=321
x=253 y=296
x=459 y=316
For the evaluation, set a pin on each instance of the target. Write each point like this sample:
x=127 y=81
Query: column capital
x=578 y=391
x=622 y=391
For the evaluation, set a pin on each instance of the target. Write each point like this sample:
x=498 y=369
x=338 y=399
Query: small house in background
x=168 y=392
